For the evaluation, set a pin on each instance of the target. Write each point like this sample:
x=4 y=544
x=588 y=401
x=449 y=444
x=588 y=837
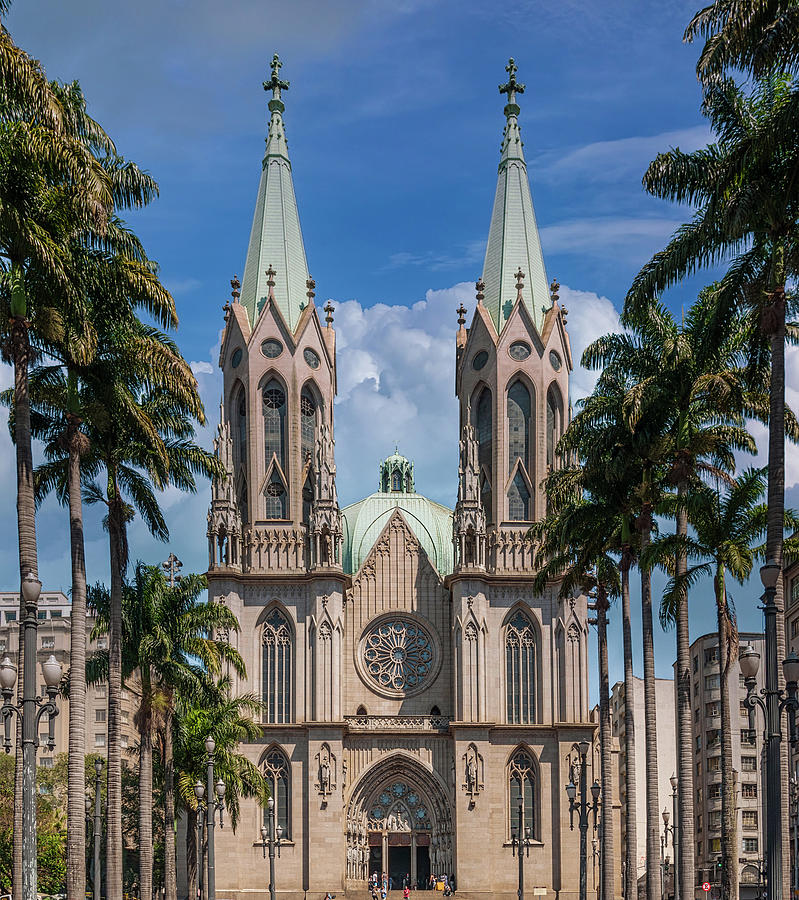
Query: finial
x=553 y=291
x=329 y=310
x=519 y=283
x=512 y=88
x=235 y=284
x=275 y=85
x=461 y=311
x=270 y=280
x=480 y=288
x=311 y=292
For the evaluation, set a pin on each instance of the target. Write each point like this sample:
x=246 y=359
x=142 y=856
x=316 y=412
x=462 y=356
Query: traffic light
x=718 y=862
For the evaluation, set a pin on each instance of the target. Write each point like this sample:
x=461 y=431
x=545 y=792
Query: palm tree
x=230 y=721
x=725 y=541
x=746 y=191
x=168 y=646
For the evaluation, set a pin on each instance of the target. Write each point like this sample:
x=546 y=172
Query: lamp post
x=795 y=834
x=522 y=843
x=674 y=835
x=773 y=704
x=269 y=840
x=29 y=712
x=98 y=829
x=214 y=803
x=199 y=793
x=664 y=843
x=584 y=806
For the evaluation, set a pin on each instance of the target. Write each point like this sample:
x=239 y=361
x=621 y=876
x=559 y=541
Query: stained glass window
x=274 y=422
x=276 y=770
x=521 y=774
x=307 y=423
x=554 y=421
x=397 y=654
x=276 y=667
x=520 y=670
x=484 y=432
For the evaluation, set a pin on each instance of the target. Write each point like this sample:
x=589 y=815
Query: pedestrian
x=406 y=892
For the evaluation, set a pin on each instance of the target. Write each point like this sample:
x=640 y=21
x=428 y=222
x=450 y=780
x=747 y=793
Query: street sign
x=705 y=886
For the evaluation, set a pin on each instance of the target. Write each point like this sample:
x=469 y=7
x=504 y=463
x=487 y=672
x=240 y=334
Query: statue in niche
x=326 y=773
x=473 y=773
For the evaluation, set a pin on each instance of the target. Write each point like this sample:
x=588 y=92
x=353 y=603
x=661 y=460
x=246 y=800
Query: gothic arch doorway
x=399 y=822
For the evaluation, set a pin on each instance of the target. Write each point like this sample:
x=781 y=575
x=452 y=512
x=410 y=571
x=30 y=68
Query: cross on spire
x=276 y=85
x=329 y=309
x=512 y=88
x=461 y=311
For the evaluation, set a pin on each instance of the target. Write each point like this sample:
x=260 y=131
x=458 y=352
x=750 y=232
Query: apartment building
x=667 y=763
x=747 y=749
x=53 y=637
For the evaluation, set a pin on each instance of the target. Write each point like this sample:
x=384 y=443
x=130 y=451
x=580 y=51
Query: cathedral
x=419 y=695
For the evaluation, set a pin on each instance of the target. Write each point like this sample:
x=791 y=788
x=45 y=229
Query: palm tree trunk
x=28 y=560
x=608 y=859
x=729 y=817
x=170 y=862
x=191 y=853
x=653 y=880
x=76 y=785
x=630 y=802
x=685 y=743
x=114 y=792
x=145 y=791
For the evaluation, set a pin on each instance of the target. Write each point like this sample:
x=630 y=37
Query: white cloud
x=201 y=368
x=629 y=239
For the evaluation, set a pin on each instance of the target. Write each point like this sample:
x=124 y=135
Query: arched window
x=275 y=497
x=241 y=429
x=241 y=498
x=276 y=668
x=522 y=789
x=307 y=423
x=518 y=425
x=435 y=711
x=520 y=670
x=396 y=481
x=484 y=432
x=275 y=422
x=276 y=771
x=554 y=421
x=307 y=498
x=361 y=711
x=518 y=499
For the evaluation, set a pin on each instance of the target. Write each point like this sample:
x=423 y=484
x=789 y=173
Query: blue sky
x=394 y=124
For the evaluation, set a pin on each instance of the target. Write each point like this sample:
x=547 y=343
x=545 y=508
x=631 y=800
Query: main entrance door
x=399 y=860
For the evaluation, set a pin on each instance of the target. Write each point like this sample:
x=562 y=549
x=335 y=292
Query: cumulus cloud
x=630 y=239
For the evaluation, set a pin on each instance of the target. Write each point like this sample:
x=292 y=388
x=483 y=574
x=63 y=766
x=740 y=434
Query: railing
x=397 y=723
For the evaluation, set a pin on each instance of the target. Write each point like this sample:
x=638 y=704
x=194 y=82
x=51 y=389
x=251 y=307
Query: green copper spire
x=276 y=236
x=513 y=241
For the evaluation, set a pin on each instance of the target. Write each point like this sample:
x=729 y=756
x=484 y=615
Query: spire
x=513 y=241
x=276 y=237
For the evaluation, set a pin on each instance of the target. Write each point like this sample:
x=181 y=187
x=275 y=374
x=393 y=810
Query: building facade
x=53 y=636
x=747 y=756
x=667 y=762
x=417 y=689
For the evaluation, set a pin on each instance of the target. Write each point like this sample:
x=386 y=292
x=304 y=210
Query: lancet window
x=276 y=497
x=554 y=421
x=520 y=670
x=274 y=398
x=484 y=433
x=307 y=423
x=276 y=771
x=241 y=429
x=522 y=789
x=276 y=668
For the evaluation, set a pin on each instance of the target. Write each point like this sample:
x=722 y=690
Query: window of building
x=696 y=714
x=99 y=740
x=711 y=682
x=11 y=617
x=748 y=738
x=699 y=795
x=713 y=791
x=276 y=770
x=554 y=421
x=241 y=429
x=518 y=499
x=743 y=710
x=711 y=655
x=520 y=670
x=699 y=823
x=749 y=764
x=48 y=643
x=101 y=690
x=699 y=852
x=750 y=875
x=795 y=590
x=41 y=615
x=714 y=845
x=714 y=764
x=99 y=715
x=307 y=423
x=698 y=742
x=125 y=716
x=274 y=406
x=696 y=664
x=714 y=820
x=123 y=742
x=484 y=433
x=749 y=845
x=522 y=789
x=55 y=614
x=741 y=681
x=713 y=738
x=699 y=767
x=749 y=790
x=124 y=694
x=794 y=628
x=712 y=709
x=46 y=762
x=275 y=497
x=276 y=667
x=749 y=819
x=519 y=440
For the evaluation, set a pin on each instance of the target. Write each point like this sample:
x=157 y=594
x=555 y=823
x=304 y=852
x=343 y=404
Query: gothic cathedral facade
x=418 y=692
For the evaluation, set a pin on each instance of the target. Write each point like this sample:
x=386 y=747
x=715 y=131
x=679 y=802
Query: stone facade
x=416 y=686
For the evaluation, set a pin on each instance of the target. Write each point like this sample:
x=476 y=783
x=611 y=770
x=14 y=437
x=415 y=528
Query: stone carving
x=324 y=526
x=274 y=549
x=224 y=521
x=397 y=654
x=326 y=772
x=509 y=550
x=397 y=723
x=469 y=522
x=473 y=773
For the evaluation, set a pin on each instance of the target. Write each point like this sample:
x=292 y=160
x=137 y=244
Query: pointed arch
x=523 y=788
x=520 y=404
x=274 y=407
x=275 y=765
x=277 y=656
x=240 y=422
x=554 y=421
x=484 y=431
x=310 y=416
x=275 y=491
x=520 y=641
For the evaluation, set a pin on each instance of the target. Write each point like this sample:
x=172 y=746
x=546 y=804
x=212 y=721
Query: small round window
x=554 y=360
x=236 y=358
x=519 y=350
x=271 y=349
x=480 y=359
x=311 y=358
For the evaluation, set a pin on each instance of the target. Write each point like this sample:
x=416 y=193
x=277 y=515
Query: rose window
x=398 y=655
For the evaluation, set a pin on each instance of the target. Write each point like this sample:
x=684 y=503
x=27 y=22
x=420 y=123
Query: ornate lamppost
x=271 y=836
x=522 y=843
x=98 y=829
x=206 y=820
x=584 y=806
x=664 y=858
x=674 y=834
x=29 y=713
x=773 y=703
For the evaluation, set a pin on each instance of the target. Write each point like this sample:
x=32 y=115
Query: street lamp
x=29 y=712
x=674 y=835
x=206 y=814
x=664 y=843
x=584 y=806
x=98 y=829
x=269 y=840
x=773 y=703
x=199 y=793
x=523 y=844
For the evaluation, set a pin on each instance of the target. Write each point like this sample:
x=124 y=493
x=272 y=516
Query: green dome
x=430 y=522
